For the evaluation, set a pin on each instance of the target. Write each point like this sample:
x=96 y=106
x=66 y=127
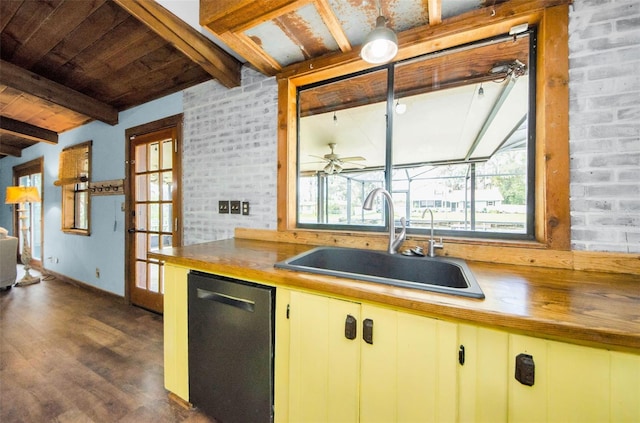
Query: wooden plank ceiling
x=67 y=62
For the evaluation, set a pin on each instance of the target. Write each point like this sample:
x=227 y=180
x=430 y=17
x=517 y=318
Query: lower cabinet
x=573 y=383
x=352 y=362
x=556 y=382
x=344 y=361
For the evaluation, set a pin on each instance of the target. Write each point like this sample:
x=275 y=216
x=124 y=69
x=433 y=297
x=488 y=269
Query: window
x=451 y=131
x=74 y=175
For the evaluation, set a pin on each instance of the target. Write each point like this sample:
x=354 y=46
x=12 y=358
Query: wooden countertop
x=584 y=307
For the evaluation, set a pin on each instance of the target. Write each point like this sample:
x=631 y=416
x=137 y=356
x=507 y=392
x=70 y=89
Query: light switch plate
x=235 y=207
x=223 y=207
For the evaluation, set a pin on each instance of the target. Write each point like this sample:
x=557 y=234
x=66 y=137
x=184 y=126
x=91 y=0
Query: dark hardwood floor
x=71 y=355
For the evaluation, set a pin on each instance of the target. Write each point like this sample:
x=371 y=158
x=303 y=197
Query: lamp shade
x=381 y=45
x=16 y=195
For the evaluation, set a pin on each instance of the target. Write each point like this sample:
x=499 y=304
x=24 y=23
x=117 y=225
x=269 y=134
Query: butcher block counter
x=576 y=306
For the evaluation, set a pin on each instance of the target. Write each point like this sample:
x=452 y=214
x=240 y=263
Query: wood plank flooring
x=71 y=355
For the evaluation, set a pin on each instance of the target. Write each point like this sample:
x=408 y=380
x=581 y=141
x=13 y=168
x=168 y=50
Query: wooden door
x=154 y=211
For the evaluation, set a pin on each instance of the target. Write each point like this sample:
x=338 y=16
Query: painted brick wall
x=604 y=44
x=229 y=153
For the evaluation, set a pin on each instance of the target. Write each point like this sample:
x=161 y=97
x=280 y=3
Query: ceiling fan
x=335 y=163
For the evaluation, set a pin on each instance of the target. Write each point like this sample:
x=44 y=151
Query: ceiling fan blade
x=352 y=159
x=319 y=157
x=350 y=164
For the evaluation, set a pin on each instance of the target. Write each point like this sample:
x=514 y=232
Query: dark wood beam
x=31 y=83
x=9 y=150
x=24 y=130
x=214 y=60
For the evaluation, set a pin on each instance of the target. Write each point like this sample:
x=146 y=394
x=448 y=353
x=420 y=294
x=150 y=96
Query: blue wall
x=79 y=256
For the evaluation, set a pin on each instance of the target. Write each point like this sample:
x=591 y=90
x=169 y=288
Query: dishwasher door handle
x=241 y=303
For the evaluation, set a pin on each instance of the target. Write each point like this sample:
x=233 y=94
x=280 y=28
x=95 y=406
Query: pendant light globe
x=381 y=45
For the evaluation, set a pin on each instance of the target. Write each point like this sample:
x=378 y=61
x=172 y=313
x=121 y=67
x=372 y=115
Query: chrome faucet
x=394 y=241
x=432 y=242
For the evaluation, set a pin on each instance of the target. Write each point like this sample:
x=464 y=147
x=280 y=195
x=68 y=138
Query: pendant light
x=381 y=45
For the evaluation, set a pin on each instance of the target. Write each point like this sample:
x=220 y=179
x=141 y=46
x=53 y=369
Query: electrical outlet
x=235 y=207
x=223 y=207
x=245 y=208
x=97 y=273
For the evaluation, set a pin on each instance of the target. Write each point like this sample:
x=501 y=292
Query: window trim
x=552 y=221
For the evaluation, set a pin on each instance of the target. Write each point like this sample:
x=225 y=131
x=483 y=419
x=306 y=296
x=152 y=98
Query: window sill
x=76 y=232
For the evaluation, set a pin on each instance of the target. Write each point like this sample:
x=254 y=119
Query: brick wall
x=229 y=153
x=604 y=44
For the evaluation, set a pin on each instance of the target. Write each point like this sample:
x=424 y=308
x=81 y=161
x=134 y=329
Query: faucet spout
x=432 y=242
x=394 y=241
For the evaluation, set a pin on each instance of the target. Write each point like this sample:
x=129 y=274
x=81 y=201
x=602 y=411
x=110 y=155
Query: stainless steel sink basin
x=446 y=275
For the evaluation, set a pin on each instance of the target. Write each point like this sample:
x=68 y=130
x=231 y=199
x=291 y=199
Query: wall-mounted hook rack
x=113 y=187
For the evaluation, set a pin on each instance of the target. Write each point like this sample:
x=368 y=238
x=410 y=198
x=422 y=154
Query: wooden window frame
x=70 y=198
x=552 y=221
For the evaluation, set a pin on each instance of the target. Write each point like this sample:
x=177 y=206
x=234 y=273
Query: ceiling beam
x=213 y=59
x=9 y=150
x=38 y=86
x=24 y=130
x=331 y=20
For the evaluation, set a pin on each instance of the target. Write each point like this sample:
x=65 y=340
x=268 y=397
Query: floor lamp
x=21 y=195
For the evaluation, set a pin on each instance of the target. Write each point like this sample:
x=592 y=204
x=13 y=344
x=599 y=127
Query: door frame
x=28 y=168
x=129 y=245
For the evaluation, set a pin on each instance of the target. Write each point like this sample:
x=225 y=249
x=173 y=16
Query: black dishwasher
x=231 y=342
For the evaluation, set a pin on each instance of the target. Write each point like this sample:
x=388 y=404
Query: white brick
x=229 y=154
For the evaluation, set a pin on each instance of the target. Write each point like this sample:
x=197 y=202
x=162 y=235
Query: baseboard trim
x=179 y=401
x=82 y=285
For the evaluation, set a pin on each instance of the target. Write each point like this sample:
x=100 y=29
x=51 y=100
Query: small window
x=74 y=175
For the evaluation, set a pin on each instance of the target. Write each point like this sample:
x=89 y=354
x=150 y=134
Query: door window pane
x=167 y=154
x=154 y=156
x=167 y=221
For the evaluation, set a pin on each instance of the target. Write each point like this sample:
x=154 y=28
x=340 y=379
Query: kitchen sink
x=438 y=274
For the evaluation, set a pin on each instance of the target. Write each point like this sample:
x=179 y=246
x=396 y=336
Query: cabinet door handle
x=350 y=327
x=367 y=331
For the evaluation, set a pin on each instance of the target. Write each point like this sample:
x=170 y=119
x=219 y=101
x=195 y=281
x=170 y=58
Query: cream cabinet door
x=409 y=370
x=483 y=375
x=324 y=365
x=574 y=384
x=176 y=328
